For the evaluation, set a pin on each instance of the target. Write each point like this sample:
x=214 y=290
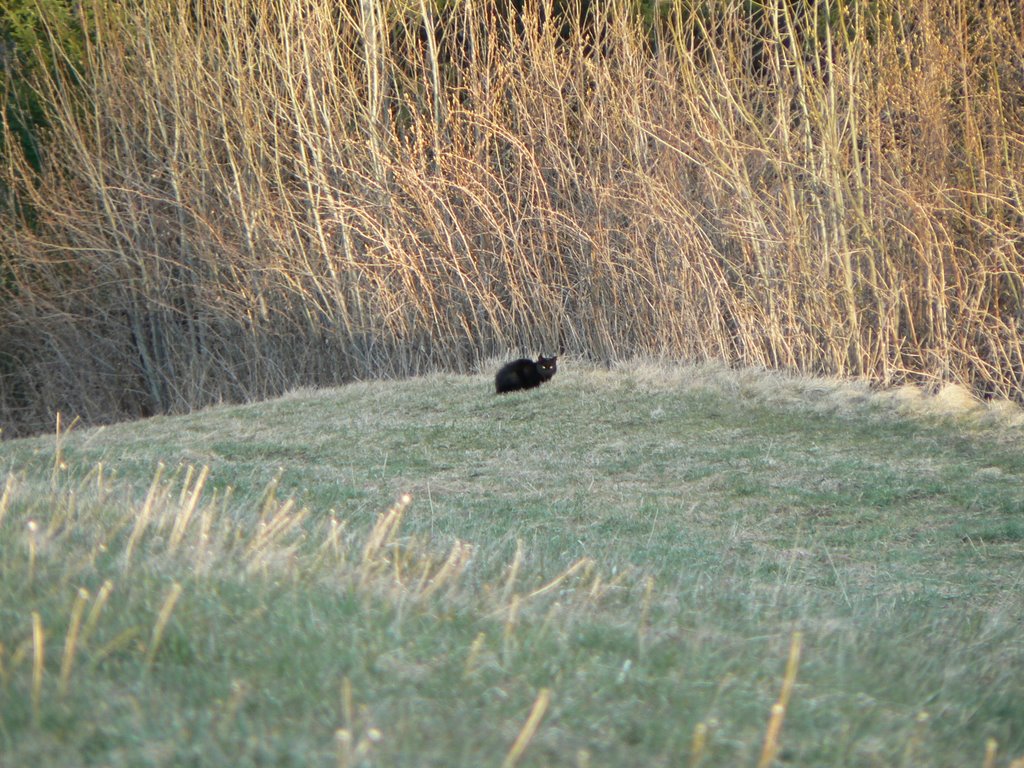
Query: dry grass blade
x=5 y=498
x=71 y=640
x=143 y=518
x=698 y=744
x=991 y=748
x=792 y=665
x=38 y=661
x=272 y=532
x=161 y=622
x=584 y=564
x=529 y=729
x=381 y=535
x=770 y=747
x=184 y=515
x=453 y=567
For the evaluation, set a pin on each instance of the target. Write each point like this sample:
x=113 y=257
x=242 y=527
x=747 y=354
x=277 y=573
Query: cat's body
x=525 y=374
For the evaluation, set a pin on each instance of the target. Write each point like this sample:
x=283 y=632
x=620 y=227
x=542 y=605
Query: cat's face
x=547 y=366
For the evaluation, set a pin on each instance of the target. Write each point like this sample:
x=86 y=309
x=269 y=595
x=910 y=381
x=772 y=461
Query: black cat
x=525 y=374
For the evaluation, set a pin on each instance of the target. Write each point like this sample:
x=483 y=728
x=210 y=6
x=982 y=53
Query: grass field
x=624 y=567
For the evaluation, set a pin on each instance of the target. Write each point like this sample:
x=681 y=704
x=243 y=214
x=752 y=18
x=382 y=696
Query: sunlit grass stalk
x=38 y=660
x=333 y=542
x=331 y=553
x=528 y=730
x=347 y=705
x=770 y=747
x=186 y=484
x=181 y=520
x=343 y=747
x=269 y=501
x=382 y=533
x=349 y=750
x=792 y=665
x=474 y=654
x=272 y=532
x=599 y=586
x=143 y=518
x=206 y=520
x=58 y=449
x=583 y=564
x=71 y=641
x=453 y=566
x=698 y=744
x=5 y=497
x=94 y=613
x=161 y=623
x=33 y=528
x=991 y=748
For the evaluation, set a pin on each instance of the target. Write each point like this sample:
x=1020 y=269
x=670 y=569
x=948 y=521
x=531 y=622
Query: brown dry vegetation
x=284 y=193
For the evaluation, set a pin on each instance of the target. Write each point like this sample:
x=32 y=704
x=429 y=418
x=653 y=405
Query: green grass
x=640 y=543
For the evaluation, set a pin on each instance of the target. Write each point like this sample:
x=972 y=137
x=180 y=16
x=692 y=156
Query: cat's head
x=547 y=366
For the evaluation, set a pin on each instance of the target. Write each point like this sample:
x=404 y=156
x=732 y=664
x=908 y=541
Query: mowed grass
x=614 y=569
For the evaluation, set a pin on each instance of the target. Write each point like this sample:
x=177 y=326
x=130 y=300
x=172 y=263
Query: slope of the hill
x=612 y=569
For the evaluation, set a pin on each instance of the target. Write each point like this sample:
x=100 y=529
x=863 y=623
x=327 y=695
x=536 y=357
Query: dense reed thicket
x=239 y=197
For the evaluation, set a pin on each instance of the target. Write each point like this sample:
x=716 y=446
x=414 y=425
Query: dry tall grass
x=283 y=193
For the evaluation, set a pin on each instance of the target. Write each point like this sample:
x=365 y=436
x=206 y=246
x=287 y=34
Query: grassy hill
x=624 y=567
